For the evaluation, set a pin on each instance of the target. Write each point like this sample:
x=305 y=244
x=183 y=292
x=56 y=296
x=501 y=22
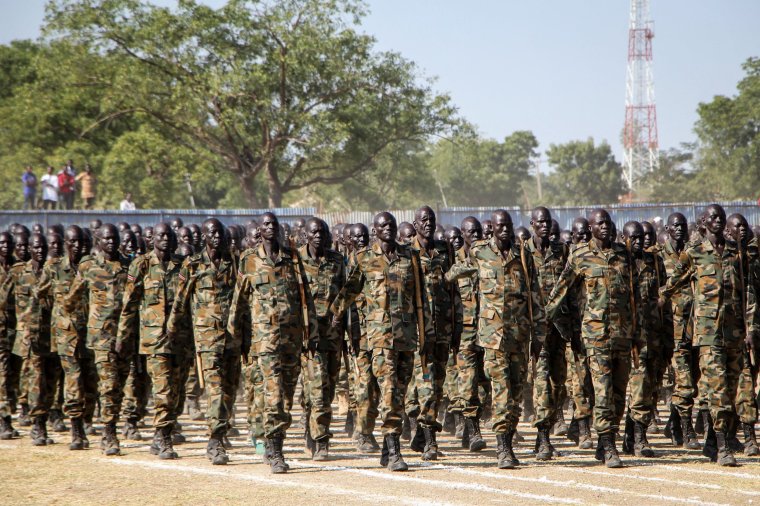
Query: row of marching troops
x=422 y=319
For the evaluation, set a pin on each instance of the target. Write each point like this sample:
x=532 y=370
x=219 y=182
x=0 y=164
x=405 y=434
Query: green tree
x=673 y=181
x=583 y=173
x=285 y=92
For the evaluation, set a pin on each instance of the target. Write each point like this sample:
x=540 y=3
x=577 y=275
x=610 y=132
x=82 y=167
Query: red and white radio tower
x=640 y=133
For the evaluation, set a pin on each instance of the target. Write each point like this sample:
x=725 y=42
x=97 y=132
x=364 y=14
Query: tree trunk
x=249 y=190
x=275 y=189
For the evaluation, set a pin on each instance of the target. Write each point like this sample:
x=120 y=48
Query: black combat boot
x=194 y=409
x=505 y=456
x=710 y=448
x=641 y=447
x=215 y=450
x=750 y=440
x=110 y=443
x=418 y=441
x=310 y=445
x=584 y=434
x=130 y=430
x=406 y=428
x=167 y=447
x=155 y=444
x=690 y=440
x=349 y=427
x=23 y=416
x=573 y=432
x=731 y=440
x=699 y=425
x=628 y=435
x=543 y=450
x=56 y=421
x=476 y=441
x=384 y=453
x=39 y=431
x=322 y=450
x=430 y=451
x=673 y=428
x=366 y=443
x=6 y=429
x=276 y=459
x=609 y=451
x=77 y=434
x=179 y=438
x=560 y=427
x=725 y=455
x=449 y=422
x=394 y=460
x=460 y=423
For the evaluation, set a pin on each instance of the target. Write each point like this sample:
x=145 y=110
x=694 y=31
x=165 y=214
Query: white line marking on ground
x=744 y=476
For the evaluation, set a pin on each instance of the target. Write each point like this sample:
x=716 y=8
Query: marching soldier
x=7 y=337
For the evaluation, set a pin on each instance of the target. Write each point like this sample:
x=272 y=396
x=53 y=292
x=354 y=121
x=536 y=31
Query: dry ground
x=55 y=475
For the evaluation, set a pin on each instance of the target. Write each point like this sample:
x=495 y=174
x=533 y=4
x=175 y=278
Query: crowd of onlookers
x=57 y=190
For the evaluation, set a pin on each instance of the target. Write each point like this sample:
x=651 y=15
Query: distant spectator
x=127 y=204
x=87 y=181
x=49 y=191
x=67 y=186
x=29 y=181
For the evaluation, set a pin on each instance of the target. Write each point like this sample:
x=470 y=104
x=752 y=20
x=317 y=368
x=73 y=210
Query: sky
x=555 y=67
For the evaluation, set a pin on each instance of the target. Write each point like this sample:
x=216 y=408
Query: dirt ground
x=55 y=475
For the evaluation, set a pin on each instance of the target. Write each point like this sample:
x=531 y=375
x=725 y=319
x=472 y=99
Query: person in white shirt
x=127 y=204
x=49 y=189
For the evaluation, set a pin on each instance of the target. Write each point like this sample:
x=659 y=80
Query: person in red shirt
x=66 y=186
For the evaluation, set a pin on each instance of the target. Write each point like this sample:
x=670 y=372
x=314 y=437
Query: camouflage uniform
x=148 y=299
x=101 y=282
x=388 y=290
x=719 y=323
x=746 y=395
x=203 y=298
x=7 y=339
x=607 y=323
x=69 y=333
x=549 y=390
x=267 y=297
x=426 y=393
x=325 y=277
x=504 y=326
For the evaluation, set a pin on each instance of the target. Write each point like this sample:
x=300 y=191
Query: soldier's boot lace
x=430 y=451
x=406 y=428
x=110 y=441
x=511 y=446
x=39 y=431
x=560 y=427
x=628 y=435
x=584 y=434
x=477 y=443
x=276 y=459
x=418 y=441
x=56 y=421
x=167 y=448
x=23 y=416
x=710 y=448
x=641 y=447
x=725 y=455
x=6 y=430
x=321 y=453
x=750 y=440
x=77 y=434
x=365 y=443
x=460 y=425
x=395 y=460
x=543 y=448
x=215 y=451
x=503 y=454
x=130 y=431
x=349 y=427
x=194 y=409
x=690 y=440
x=573 y=431
x=611 y=457
x=384 y=453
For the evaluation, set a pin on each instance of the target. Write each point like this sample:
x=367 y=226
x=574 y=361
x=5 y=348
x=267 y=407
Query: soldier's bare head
x=634 y=236
x=137 y=229
x=176 y=223
x=677 y=227
x=454 y=237
x=424 y=222
x=541 y=222
x=714 y=219
x=601 y=225
x=738 y=228
x=502 y=226
x=213 y=235
x=74 y=239
x=96 y=224
x=38 y=247
x=472 y=230
x=6 y=245
x=55 y=244
x=566 y=237
x=316 y=233
x=21 y=246
x=164 y=239
x=385 y=227
x=406 y=232
x=650 y=234
x=359 y=235
x=487 y=229
x=269 y=226
x=581 y=230
x=184 y=235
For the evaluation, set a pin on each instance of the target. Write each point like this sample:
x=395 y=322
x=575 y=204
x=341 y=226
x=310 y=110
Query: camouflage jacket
x=268 y=298
x=203 y=299
x=654 y=325
x=148 y=300
x=32 y=314
x=504 y=317
x=7 y=314
x=549 y=266
x=101 y=283
x=438 y=291
x=466 y=304
x=719 y=318
x=606 y=277
x=355 y=319
x=388 y=288
x=69 y=329
x=681 y=300
x=326 y=277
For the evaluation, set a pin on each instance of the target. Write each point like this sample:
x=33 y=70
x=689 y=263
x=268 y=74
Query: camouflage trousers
x=41 y=380
x=136 y=389
x=549 y=391
x=6 y=387
x=187 y=363
x=254 y=392
x=81 y=385
x=221 y=374
x=21 y=380
x=450 y=385
x=610 y=370
x=466 y=401
x=581 y=385
x=280 y=375
x=58 y=386
x=721 y=368
x=320 y=375
x=507 y=371
x=192 y=385
x=164 y=370
x=113 y=372
x=643 y=382
x=367 y=393
x=684 y=390
x=393 y=370
x=426 y=392
x=746 y=396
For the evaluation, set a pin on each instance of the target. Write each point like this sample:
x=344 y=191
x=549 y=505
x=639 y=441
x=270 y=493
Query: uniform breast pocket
x=594 y=281
x=205 y=289
x=153 y=292
x=488 y=281
x=261 y=282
